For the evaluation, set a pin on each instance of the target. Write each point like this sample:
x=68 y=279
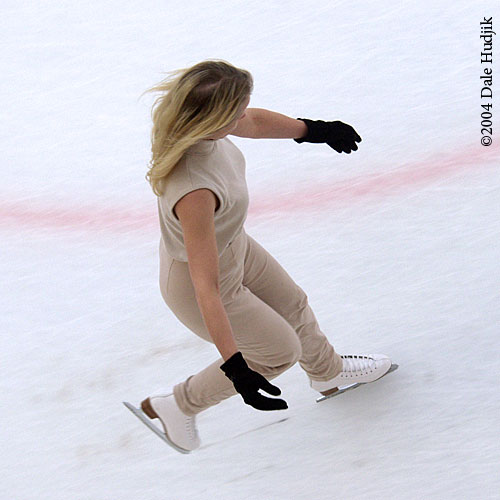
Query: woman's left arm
x=261 y=123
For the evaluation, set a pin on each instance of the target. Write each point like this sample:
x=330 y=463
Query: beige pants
x=272 y=322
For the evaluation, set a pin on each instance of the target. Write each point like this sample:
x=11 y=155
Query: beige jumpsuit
x=272 y=322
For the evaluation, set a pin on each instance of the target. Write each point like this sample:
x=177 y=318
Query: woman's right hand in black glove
x=247 y=383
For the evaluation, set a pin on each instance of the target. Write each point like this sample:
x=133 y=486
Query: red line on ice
x=378 y=185
x=39 y=213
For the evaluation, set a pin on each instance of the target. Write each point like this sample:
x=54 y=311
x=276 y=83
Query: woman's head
x=201 y=102
x=220 y=133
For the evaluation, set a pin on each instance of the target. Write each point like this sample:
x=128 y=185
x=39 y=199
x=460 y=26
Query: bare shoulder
x=247 y=126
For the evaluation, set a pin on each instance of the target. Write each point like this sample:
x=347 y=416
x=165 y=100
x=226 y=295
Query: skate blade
x=147 y=422
x=355 y=386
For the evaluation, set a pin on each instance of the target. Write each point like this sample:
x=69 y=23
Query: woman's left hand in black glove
x=248 y=382
x=338 y=135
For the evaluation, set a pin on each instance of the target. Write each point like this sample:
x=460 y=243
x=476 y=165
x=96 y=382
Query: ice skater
x=216 y=279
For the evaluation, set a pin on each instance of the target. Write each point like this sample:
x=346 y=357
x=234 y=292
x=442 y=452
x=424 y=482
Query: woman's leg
x=266 y=279
x=267 y=341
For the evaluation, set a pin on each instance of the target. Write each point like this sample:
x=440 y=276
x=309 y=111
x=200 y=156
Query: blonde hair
x=195 y=103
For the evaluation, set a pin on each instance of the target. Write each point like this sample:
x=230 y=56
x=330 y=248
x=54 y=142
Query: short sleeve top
x=217 y=165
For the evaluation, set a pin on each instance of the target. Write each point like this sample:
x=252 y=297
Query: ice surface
x=396 y=245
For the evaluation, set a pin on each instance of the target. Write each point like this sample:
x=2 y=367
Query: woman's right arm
x=196 y=214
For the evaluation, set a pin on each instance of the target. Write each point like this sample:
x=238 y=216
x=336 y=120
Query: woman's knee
x=295 y=351
x=289 y=353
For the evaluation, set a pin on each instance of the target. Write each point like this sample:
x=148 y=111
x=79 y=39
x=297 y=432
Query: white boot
x=180 y=429
x=356 y=369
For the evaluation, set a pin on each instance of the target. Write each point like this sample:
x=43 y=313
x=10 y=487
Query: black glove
x=247 y=383
x=337 y=135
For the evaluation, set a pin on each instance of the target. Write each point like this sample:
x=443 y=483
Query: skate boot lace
x=191 y=427
x=354 y=363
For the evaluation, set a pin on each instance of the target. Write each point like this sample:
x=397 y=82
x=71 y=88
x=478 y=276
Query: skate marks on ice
x=151 y=426
x=355 y=386
x=244 y=433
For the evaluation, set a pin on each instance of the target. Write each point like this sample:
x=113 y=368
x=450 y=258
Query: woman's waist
x=179 y=253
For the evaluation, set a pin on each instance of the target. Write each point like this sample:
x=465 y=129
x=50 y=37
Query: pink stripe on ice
x=366 y=187
x=325 y=195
